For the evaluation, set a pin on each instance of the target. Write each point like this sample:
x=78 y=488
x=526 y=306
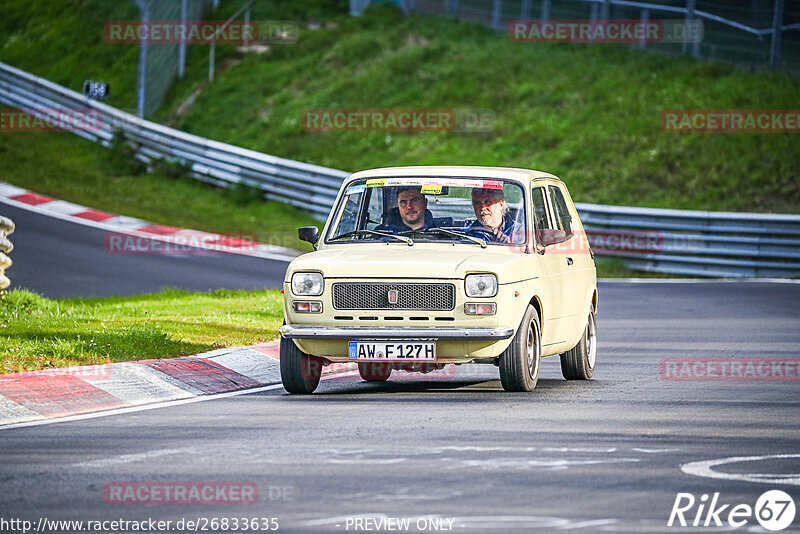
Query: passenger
x=492 y=213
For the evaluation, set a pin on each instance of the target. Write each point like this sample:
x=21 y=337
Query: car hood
x=418 y=261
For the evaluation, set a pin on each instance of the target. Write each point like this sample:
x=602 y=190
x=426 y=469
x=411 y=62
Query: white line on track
x=704 y=469
x=128 y=458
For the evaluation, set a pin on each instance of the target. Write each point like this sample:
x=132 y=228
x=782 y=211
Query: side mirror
x=551 y=237
x=308 y=233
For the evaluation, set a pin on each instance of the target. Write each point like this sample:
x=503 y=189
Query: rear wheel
x=300 y=372
x=578 y=363
x=520 y=362
x=374 y=372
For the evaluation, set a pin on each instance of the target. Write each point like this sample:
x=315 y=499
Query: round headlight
x=307 y=284
x=481 y=285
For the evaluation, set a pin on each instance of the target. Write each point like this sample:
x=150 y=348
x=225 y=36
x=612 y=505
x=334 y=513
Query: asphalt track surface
x=598 y=456
x=58 y=258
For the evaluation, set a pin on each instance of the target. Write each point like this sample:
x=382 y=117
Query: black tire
x=299 y=372
x=374 y=372
x=520 y=362
x=579 y=362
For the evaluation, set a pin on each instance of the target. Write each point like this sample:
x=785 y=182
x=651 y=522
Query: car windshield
x=481 y=211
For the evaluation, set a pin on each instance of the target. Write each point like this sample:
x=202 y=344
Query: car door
x=554 y=329
x=573 y=253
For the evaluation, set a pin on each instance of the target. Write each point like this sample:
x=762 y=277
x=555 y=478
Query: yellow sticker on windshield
x=432 y=189
x=376 y=182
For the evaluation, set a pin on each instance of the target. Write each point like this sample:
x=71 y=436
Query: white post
x=142 y=81
x=644 y=19
x=247 y=27
x=775 y=45
x=182 y=45
x=497 y=6
x=690 y=7
x=525 y=10
x=211 y=60
x=545 y=13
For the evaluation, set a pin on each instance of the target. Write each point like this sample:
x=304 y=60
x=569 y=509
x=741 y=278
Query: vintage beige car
x=420 y=267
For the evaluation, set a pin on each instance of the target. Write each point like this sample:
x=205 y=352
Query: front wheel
x=578 y=363
x=300 y=372
x=519 y=363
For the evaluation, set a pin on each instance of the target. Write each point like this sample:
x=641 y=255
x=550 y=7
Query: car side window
x=541 y=221
x=375 y=208
x=562 y=216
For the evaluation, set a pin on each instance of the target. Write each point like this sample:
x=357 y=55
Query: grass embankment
x=588 y=113
x=37 y=333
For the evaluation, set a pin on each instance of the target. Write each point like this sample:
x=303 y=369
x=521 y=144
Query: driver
x=412 y=208
x=492 y=214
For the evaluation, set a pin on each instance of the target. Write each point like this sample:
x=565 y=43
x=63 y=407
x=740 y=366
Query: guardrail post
x=644 y=19
x=6 y=227
x=497 y=7
x=775 y=45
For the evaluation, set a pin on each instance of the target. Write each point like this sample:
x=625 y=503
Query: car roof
x=456 y=170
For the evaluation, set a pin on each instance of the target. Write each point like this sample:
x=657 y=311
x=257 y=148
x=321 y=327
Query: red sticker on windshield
x=493 y=184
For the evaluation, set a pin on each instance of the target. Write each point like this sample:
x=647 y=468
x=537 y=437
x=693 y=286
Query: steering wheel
x=486 y=232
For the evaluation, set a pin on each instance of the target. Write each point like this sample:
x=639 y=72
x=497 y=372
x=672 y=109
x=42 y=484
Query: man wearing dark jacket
x=412 y=207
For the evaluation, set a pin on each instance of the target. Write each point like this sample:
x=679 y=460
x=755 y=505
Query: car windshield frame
x=381 y=183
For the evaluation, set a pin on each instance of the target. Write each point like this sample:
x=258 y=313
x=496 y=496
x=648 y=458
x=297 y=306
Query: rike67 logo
x=774 y=510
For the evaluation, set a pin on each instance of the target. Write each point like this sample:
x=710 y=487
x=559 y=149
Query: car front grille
x=375 y=296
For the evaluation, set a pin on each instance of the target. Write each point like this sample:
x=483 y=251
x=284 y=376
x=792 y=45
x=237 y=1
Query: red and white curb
x=120 y=224
x=70 y=391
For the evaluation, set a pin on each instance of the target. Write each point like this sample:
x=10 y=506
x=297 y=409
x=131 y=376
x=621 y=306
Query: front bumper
x=332 y=332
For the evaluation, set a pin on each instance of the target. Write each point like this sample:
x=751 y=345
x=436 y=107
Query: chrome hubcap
x=532 y=347
x=591 y=340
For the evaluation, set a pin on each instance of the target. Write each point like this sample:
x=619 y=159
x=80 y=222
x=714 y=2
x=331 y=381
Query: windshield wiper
x=356 y=233
x=477 y=240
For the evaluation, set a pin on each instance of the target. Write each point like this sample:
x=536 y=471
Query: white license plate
x=413 y=351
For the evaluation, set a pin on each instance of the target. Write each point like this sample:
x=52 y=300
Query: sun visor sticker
x=355 y=189
x=433 y=185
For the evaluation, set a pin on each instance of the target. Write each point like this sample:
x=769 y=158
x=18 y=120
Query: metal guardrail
x=704 y=243
x=674 y=241
x=6 y=228
x=310 y=187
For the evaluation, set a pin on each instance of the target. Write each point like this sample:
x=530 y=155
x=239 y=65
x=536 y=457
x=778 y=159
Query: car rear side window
x=540 y=219
x=563 y=218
